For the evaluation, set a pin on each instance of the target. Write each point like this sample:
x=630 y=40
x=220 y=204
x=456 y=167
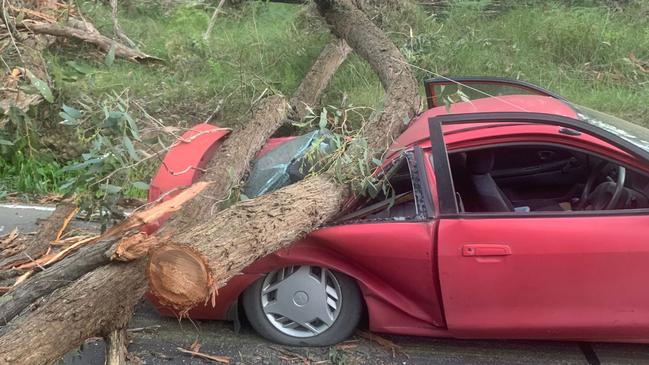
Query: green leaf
x=110 y=189
x=5 y=142
x=135 y=132
x=41 y=86
x=112 y=119
x=80 y=68
x=74 y=113
x=110 y=56
x=141 y=185
x=67 y=119
x=79 y=166
x=130 y=148
x=323 y=119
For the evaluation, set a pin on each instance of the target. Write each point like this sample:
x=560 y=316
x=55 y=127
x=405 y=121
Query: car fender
x=183 y=164
x=384 y=303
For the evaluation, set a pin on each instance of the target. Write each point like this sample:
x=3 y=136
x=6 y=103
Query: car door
x=569 y=275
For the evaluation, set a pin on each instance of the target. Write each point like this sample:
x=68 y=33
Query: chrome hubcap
x=301 y=301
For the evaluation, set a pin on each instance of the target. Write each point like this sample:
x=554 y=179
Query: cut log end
x=179 y=277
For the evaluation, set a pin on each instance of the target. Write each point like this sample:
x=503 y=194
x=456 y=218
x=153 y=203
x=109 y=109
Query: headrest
x=480 y=162
x=457 y=160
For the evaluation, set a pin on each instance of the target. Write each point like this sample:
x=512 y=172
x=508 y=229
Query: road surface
x=155 y=339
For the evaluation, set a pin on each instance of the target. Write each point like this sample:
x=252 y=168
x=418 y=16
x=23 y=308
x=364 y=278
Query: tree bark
x=234 y=155
x=102 y=300
x=92 y=306
x=312 y=86
x=37 y=245
x=45 y=282
x=97 y=39
x=116 y=344
x=210 y=253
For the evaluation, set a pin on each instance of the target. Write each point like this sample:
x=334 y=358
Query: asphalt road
x=155 y=339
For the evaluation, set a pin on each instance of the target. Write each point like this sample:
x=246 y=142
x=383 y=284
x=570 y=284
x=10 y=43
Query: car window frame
x=430 y=84
x=447 y=202
x=421 y=190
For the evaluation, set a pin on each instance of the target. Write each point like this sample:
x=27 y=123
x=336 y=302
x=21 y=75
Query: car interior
x=543 y=178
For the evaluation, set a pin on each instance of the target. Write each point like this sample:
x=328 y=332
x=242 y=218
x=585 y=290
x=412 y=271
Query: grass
x=582 y=50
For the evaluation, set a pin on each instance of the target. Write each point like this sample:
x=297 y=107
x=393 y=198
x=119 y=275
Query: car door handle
x=486 y=250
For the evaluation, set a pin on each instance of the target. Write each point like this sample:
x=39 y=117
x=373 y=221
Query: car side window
x=399 y=202
x=543 y=178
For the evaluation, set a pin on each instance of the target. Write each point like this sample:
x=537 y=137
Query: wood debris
x=288 y=355
x=215 y=358
x=640 y=64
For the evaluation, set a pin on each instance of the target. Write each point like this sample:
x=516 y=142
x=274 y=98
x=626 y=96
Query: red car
x=514 y=215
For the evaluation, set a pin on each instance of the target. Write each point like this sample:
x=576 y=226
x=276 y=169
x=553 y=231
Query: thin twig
x=207 y=33
x=10 y=30
x=116 y=28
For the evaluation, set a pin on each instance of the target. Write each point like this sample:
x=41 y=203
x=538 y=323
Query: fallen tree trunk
x=211 y=252
x=94 y=305
x=67 y=271
x=37 y=245
x=234 y=155
x=55 y=340
x=97 y=39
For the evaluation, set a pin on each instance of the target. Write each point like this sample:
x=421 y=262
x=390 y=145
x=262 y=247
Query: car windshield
x=633 y=133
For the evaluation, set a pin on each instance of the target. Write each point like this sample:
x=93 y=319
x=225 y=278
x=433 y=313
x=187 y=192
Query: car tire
x=298 y=300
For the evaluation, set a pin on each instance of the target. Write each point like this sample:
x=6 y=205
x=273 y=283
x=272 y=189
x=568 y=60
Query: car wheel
x=303 y=306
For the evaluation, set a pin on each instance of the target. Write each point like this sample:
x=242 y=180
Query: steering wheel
x=607 y=194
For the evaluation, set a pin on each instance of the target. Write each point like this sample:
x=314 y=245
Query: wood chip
x=196 y=346
x=158 y=211
x=215 y=358
x=144 y=329
x=66 y=221
x=9 y=238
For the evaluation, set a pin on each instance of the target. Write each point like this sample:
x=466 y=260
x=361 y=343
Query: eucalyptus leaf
x=74 y=113
x=141 y=185
x=323 y=119
x=41 y=86
x=111 y=189
x=130 y=148
x=80 y=68
x=6 y=142
x=110 y=56
x=135 y=132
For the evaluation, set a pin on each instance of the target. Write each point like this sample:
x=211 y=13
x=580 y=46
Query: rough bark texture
x=102 y=300
x=248 y=230
x=312 y=86
x=97 y=39
x=45 y=282
x=92 y=306
x=37 y=245
x=236 y=237
x=234 y=155
x=116 y=343
x=402 y=100
x=232 y=160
